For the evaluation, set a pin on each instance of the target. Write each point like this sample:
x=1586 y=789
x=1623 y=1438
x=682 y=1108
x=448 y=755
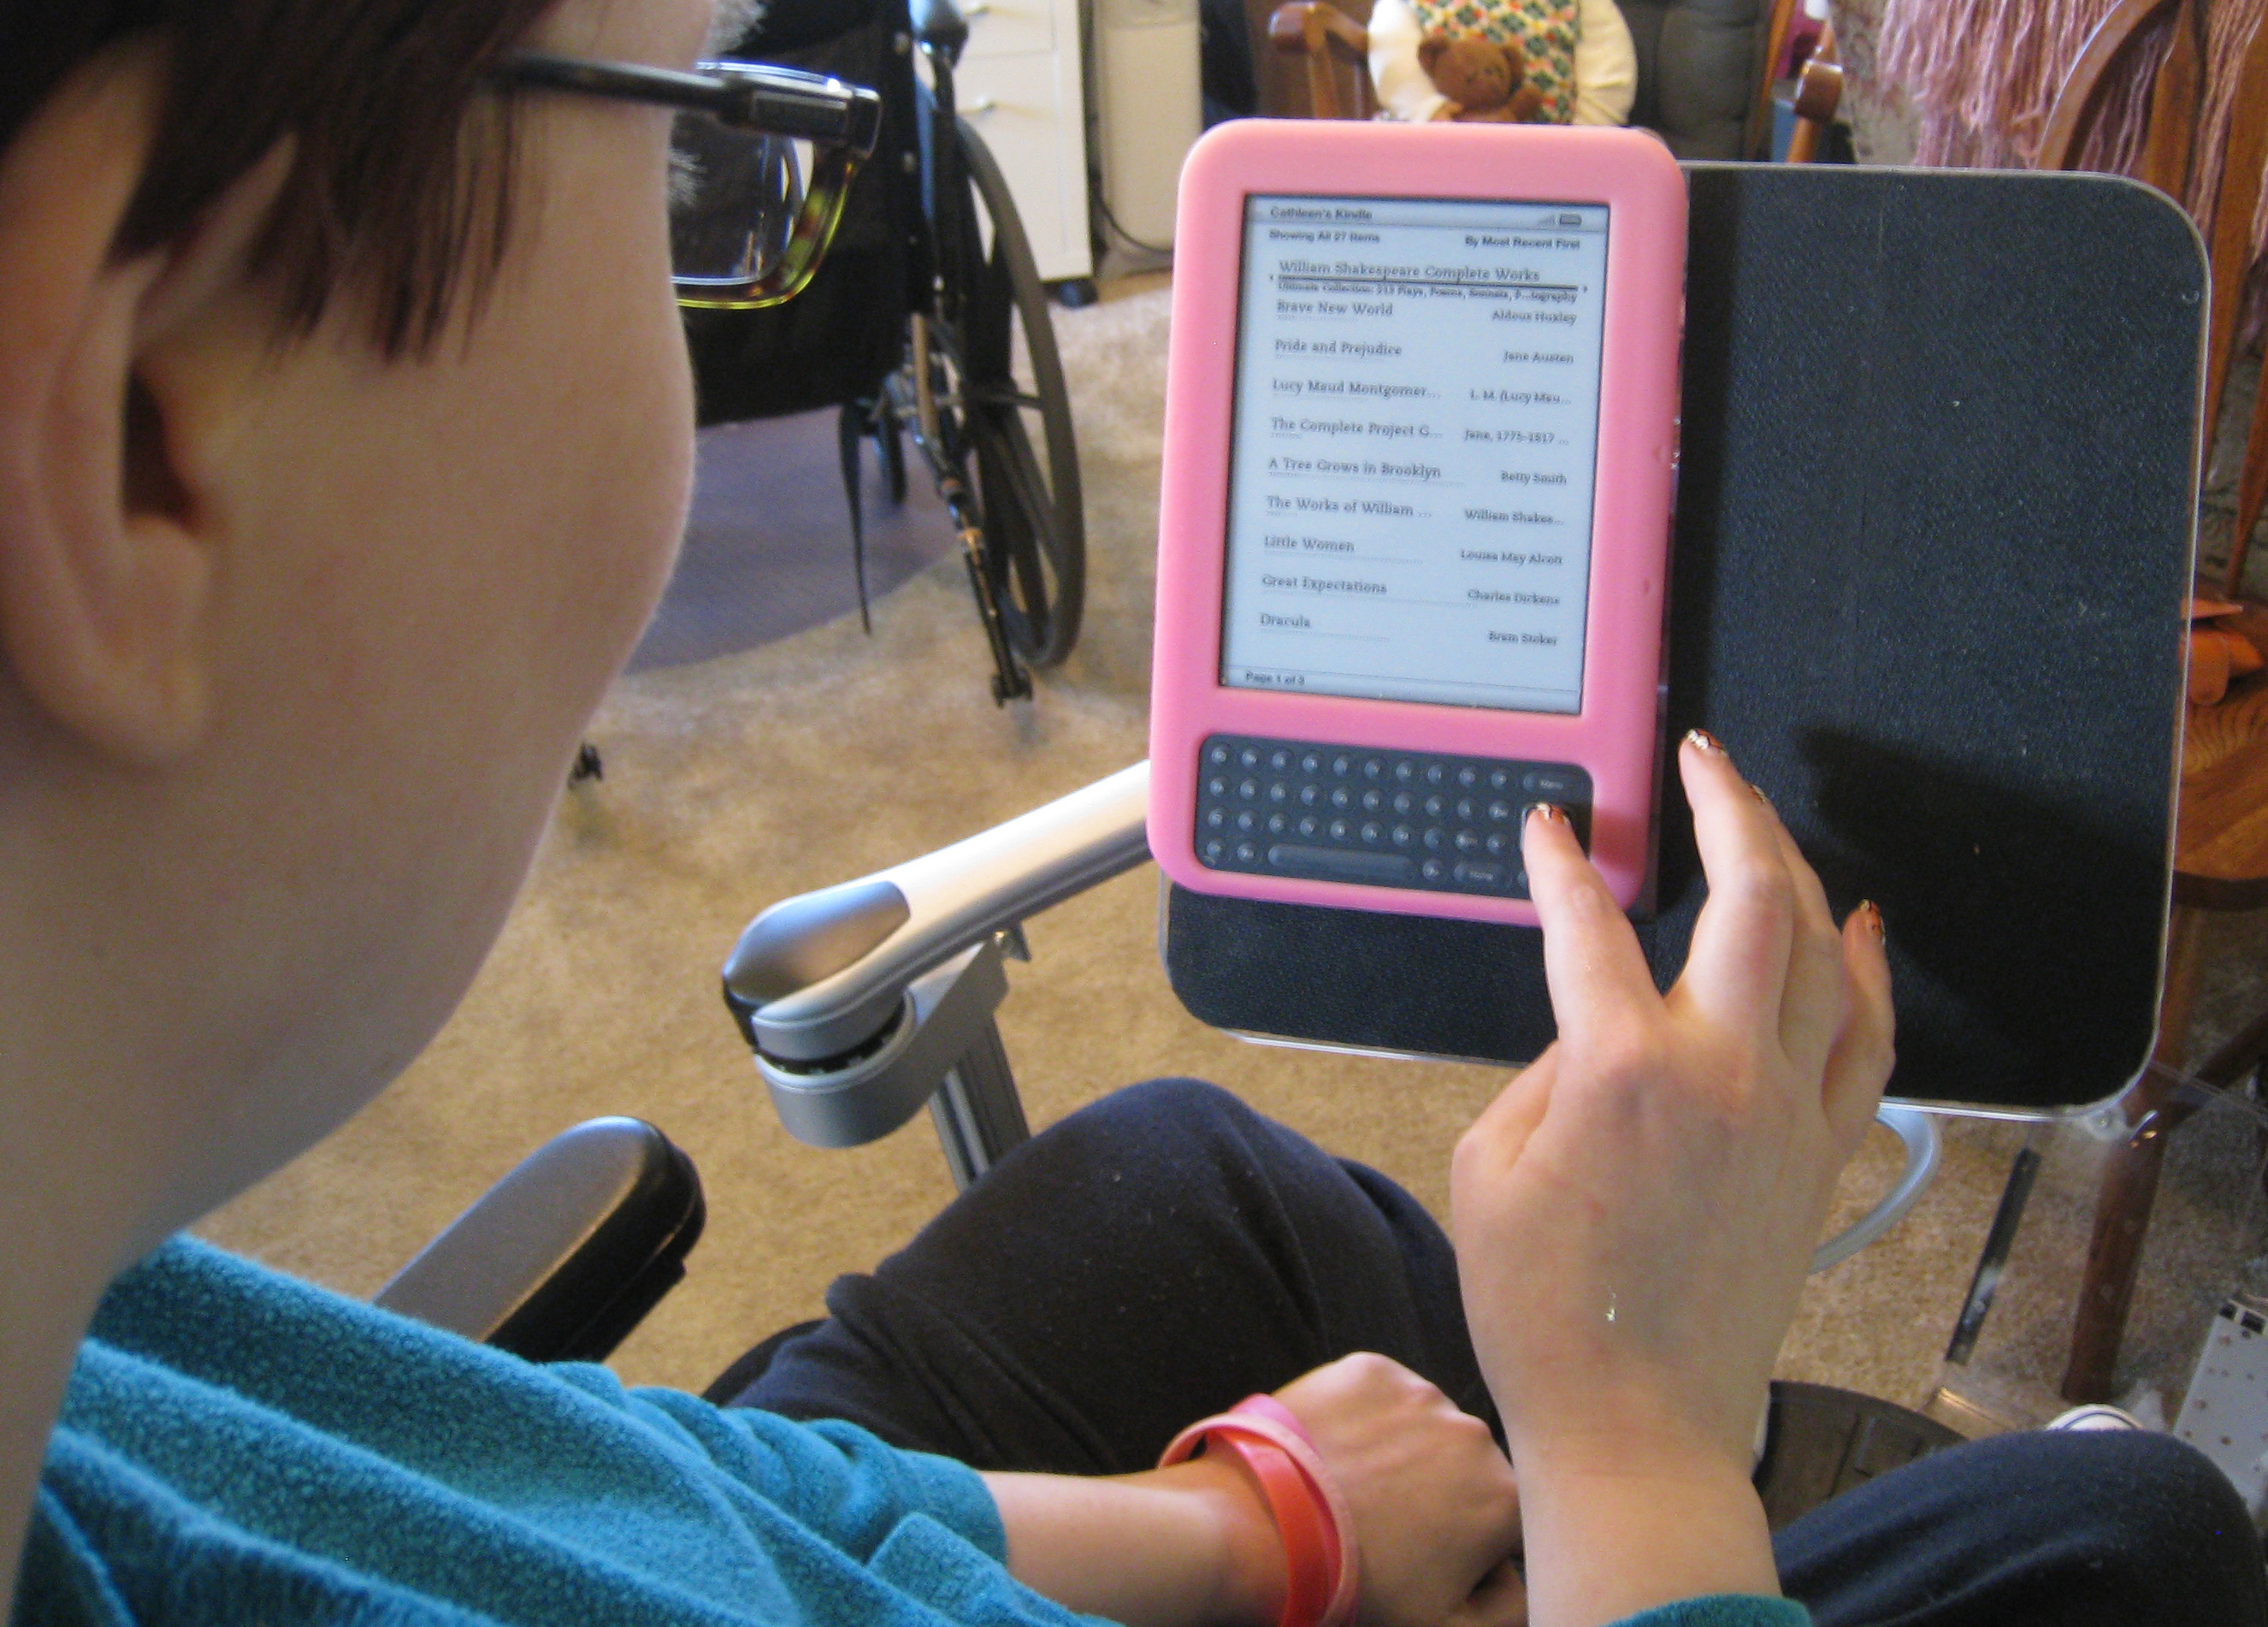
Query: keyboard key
x=1274 y=812
x=1376 y=867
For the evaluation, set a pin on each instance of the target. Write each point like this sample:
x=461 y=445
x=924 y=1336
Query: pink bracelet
x=1320 y=1559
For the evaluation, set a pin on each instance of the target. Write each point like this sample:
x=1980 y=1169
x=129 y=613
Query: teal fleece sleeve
x=409 y=1396
x=1724 y=1610
x=238 y=1447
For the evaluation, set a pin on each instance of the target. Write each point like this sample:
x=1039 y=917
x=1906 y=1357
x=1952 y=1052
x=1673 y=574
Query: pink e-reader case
x=1419 y=455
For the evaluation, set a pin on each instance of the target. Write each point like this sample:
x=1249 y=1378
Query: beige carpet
x=751 y=777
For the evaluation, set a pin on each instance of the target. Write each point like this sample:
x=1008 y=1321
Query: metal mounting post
x=978 y=1115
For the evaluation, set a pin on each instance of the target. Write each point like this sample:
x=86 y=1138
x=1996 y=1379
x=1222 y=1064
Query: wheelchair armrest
x=819 y=976
x=939 y=26
x=562 y=1257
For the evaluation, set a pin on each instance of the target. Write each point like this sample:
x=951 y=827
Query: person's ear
x=107 y=566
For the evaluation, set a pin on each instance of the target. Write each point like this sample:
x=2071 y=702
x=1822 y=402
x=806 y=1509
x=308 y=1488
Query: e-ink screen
x=1415 y=445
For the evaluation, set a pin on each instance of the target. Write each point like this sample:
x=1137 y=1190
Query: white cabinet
x=1018 y=85
x=1012 y=27
x=1148 y=111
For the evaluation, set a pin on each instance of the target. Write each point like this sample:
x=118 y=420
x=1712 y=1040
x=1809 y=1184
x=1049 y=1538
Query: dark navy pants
x=1166 y=1251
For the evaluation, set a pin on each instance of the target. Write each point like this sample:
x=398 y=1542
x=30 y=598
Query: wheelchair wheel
x=1016 y=417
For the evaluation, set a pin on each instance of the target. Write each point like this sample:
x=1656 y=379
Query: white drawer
x=1003 y=27
x=1030 y=121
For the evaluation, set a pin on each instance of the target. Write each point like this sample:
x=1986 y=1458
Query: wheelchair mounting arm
x=865 y=1000
x=821 y=974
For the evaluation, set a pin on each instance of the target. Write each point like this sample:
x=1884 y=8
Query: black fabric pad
x=1934 y=525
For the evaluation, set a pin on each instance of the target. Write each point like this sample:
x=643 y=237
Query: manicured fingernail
x=1870 y=916
x=1702 y=740
x=1550 y=813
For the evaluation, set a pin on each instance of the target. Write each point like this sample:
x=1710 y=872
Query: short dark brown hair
x=399 y=190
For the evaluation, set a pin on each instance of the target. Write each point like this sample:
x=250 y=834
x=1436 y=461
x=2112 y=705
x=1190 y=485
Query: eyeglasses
x=760 y=161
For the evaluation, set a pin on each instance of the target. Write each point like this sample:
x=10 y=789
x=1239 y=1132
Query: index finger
x=1591 y=962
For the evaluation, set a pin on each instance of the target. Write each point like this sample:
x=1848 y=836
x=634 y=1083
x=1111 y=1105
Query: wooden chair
x=1337 y=52
x=2222 y=835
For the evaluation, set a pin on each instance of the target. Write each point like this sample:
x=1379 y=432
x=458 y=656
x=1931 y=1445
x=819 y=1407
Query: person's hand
x=1634 y=1215
x=1436 y=1513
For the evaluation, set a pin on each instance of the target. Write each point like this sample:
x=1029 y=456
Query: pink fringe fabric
x=1983 y=75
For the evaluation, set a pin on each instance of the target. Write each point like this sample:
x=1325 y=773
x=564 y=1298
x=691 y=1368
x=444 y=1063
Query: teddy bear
x=1485 y=80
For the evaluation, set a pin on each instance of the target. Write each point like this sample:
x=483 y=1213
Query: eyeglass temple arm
x=753 y=96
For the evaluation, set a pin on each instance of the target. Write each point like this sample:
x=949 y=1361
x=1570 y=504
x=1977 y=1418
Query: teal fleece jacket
x=236 y=1446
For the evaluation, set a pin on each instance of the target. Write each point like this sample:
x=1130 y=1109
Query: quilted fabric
x=1545 y=31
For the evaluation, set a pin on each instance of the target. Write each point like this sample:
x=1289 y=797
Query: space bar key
x=1372 y=867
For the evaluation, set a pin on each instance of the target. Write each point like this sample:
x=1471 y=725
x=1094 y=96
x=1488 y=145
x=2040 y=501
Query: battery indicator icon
x=1571 y=220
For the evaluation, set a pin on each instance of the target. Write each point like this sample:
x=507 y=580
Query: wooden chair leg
x=2231 y=259
x=2130 y=1181
x=2251 y=491
x=1818 y=98
x=1322 y=87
